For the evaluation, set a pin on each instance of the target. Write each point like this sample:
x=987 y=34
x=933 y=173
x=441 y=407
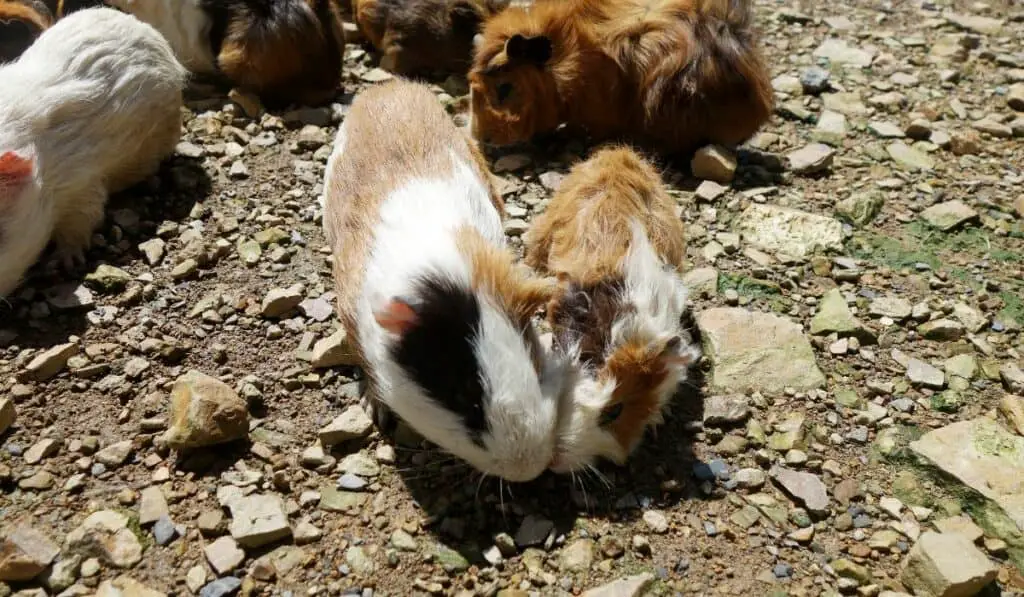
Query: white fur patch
x=184 y=24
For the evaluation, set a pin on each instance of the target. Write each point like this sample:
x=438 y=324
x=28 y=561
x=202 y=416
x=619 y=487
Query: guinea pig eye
x=504 y=90
x=610 y=414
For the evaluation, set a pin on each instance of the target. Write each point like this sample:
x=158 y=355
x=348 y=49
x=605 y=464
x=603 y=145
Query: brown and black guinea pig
x=21 y=22
x=423 y=36
x=284 y=51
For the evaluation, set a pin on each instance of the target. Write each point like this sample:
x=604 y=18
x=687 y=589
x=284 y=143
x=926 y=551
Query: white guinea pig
x=440 y=314
x=90 y=108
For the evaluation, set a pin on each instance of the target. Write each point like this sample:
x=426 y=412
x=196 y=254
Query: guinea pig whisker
x=600 y=476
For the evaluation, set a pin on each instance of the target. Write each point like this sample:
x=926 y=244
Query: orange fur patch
x=639 y=372
x=669 y=74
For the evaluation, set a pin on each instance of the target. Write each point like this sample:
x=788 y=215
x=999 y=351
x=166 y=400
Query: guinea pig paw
x=70 y=258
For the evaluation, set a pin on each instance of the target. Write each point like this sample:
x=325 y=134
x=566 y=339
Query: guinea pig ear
x=672 y=353
x=15 y=173
x=530 y=50
x=398 y=316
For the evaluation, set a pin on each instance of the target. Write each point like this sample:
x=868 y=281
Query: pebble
x=224 y=555
x=714 y=163
x=164 y=530
x=222 y=587
x=204 y=411
x=351 y=424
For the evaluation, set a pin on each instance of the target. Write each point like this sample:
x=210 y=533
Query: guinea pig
x=668 y=75
x=284 y=51
x=21 y=22
x=612 y=236
x=420 y=36
x=429 y=292
x=90 y=108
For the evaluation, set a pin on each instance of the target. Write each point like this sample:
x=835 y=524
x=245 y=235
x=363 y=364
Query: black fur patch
x=15 y=37
x=586 y=314
x=438 y=352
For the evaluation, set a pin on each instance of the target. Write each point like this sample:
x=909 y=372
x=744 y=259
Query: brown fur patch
x=395 y=131
x=300 y=62
x=639 y=372
x=584 y=233
x=668 y=74
x=419 y=36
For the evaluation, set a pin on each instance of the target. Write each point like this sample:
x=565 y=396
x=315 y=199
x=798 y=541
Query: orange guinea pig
x=415 y=36
x=666 y=74
x=612 y=236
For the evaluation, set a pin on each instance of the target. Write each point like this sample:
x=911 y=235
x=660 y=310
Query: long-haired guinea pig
x=440 y=314
x=668 y=74
x=611 y=234
x=420 y=36
x=90 y=108
x=285 y=51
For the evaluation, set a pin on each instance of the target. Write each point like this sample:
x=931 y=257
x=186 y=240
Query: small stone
x=41 y=450
x=257 y=520
x=886 y=130
x=403 y=541
x=962 y=365
x=846 y=569
x=107 y=278
x=922 y=374
x=805 y=487
x=946 y=565
x=831 y=129
x=105 y=535
x=153 y=249
x=24 y=553
x=351 y=424
x=115 y=454
x=50 y=362
x=909 y=158
x=334 y=350
x=949 y=215
x=280 y=301
x=749 y=478
x=892 y=307
x=124 y=586
x=222 y=587
x=8 y=414
x=578 y=556
x=1012 y=408
x=722 y=411
x=306 y=532
x=834 y=316
x=1015 y=97
x=359 y=561
x=710 y=190
x=350 y=482
x=205 y=411
x=152 y=505
x=860 y=208
x=630 y=586
x=533 y=531
x=715 y=163
x=164 y=530
x=811 y=158
x=224 y=555
x=656 y=521
x=960 y=525
x=838 y=51
x=814 y=80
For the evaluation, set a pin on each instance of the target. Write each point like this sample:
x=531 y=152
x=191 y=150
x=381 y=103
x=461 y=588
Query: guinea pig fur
x=285 y=51
x=90 y=108
x=420 y=36
x=427 y=289
x=669 y=75
x=611 y=234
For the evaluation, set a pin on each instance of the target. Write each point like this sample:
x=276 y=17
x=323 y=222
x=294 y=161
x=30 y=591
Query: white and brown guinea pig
x=285 y=51
x=667 y=74
x=611 y=234
x=440 y=314
x=22 y=21
x=90 y=108
x=422 y=36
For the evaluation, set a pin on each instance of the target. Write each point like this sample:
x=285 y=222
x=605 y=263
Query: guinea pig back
x=437 y=309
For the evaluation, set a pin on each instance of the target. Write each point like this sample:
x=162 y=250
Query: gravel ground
x=857 y=282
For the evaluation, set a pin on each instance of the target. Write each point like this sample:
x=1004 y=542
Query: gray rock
x=403 y=541
x=24 y=553
x=908 y=157
x=750 y=478
x=834 y=316
x=360 y=464
x=831 y=129
x=984 y=458
x=359 y=561
x=153 y=249
x=886 y=130
x=8 y=414
x=280 y=301
x=124 y=586
x=656 y=521
x=351 y=424
x=107 y=278
x=630 y=586
x=1013 y=377
x=946 y=565
x=945 y=330
x=224 y=555
x=752 y=351
x=221 y=587
x=814 y=80
x=41 y=450
x=975 y=23
x=49 y=362
x=115 y=454
x=578 y=556
x=789 y=231
x=164 y=530
x=922 y=374
x=205 y=411
x=257 y=520
x=893 y=307
x=725 y=410
x=838 y=51
x=949 y=215
x=69 y=297
x=811 y=158
x=806 y=488
x=533 y=531
x=152 y=505
x=860 y=208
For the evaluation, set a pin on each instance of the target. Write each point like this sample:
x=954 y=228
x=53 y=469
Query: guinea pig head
x=513 y=87
x=23 y=231
x=422 y=38
x=467 y=364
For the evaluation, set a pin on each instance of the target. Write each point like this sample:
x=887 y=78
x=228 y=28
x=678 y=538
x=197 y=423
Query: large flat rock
x=989 y=460
x=752 y=351
x=789 y=231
